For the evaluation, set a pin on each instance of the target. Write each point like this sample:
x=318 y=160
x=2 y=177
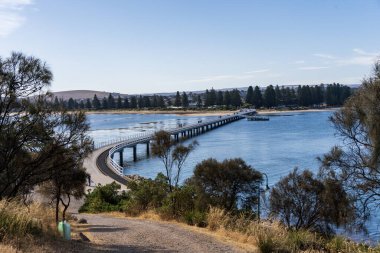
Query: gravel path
x=135 y=235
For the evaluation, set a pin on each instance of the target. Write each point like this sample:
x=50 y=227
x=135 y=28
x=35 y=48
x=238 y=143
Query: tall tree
x=185 y=100
x=141 y=102
x=111 y=102
x=219 y=98
x=172 y=155
x=71 y=104
x=96 y=103
x=257 y=98
x=88 y=104
x=147 y=103
x=133 y=102
x=235 y=98
x=207 y=98
x=119 y=103
x=227 y=98
x=155 y=101
x=199 y=101
x=81 y=104
x=212 y=98
x=357 y=164
x=279 y=99
x=249 y=97
x=56 y=103
x=161 y=102
x=126 y=103
x=270 y=97
x=177 y=101
x=104 y=103
x=33 y=136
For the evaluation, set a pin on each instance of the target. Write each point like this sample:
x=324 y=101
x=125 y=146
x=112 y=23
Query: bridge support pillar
x=121 y=159
x=147 y=149
x=134 y=153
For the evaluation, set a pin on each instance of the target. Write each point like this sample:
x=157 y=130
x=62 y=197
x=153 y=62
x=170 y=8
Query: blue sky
x=146 y=46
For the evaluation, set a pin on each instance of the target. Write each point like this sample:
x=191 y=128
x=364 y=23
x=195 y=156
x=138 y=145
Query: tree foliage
x=37 y=141
x=231 y=184
x=302 y=201
x=357 y=163
x=173 y=156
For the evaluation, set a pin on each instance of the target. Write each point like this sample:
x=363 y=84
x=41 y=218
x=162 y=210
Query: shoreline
x=207 y=113
x=268 y=111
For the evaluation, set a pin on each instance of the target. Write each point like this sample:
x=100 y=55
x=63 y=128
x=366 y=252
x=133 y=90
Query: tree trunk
x=57 y=209
x=65 y=206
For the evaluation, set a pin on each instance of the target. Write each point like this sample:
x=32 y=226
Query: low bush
x=105 y=198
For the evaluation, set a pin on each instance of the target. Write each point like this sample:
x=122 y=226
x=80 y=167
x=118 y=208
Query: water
x=274 y=147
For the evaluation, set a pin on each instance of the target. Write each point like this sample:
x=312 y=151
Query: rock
x=82 y=221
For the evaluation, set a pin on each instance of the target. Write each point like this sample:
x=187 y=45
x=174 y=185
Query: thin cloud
x=313 y=68
x=325 y=56
x=11 y=16
x=299 y=62
x=257 y=71
x=360 y=57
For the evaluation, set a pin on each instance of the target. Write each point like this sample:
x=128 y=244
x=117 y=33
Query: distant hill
x=84 y=94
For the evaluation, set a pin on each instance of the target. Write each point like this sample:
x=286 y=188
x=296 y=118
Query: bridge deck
x=109 y=168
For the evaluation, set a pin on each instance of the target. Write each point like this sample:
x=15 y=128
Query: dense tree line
x=307 y=96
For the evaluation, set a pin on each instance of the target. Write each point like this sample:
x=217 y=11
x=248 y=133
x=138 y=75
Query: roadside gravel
x=136 y=235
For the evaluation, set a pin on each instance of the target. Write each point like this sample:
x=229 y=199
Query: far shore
x=268 y=111
x=205 y=112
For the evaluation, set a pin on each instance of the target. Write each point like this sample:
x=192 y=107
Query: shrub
x=231 y=184
x=145 y=194
x=302 y=201
x=195 y=218
x=104 y=199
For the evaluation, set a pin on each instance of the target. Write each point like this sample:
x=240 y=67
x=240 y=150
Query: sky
x=151 y=46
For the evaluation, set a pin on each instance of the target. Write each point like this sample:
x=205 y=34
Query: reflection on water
x=274 y=147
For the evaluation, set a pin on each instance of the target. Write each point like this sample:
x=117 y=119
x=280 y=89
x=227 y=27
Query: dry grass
x=32 y=229
x=264 y=236
x=272 y=237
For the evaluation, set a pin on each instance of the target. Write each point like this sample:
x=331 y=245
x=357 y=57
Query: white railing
x=145 y=137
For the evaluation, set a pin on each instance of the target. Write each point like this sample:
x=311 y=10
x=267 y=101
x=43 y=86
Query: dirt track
x=135 y=235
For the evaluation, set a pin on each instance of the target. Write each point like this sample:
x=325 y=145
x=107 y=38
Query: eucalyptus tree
x=34 y=136
x=357 y=162
x=173 y=156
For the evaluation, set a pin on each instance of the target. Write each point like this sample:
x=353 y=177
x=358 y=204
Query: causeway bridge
x=102 y=157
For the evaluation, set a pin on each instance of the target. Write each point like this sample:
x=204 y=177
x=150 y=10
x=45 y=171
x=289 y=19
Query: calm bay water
x=274 y=147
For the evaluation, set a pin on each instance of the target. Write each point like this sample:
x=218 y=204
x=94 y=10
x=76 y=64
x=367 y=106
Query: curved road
x=101 y=163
